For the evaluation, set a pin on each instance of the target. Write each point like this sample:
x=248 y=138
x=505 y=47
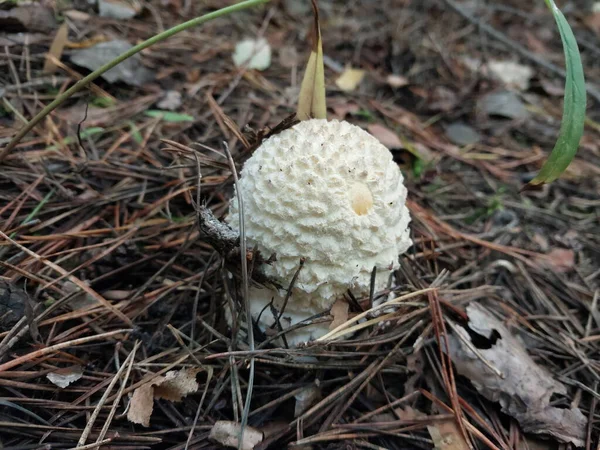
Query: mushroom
x=330 y=194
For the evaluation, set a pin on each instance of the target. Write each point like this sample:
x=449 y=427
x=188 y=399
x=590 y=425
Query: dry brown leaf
x=342 y=109
x=386 y=136
x=305 y=399
x=407 y=413
x=76 y=15
x=339 y=311
x=56 y=49
x=64 y=377
x=141 y=405
x=523 y=389
x=311 y=103
x=227 y=433
x=350 y=79
x=559 y=259
x=447 y=436
x=175 y=385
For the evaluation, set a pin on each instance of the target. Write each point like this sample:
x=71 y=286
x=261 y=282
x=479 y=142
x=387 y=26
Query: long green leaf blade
x=571 y=129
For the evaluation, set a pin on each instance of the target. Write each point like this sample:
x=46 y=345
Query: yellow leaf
x=311 y=103
x=56 y=49
x=350 y=79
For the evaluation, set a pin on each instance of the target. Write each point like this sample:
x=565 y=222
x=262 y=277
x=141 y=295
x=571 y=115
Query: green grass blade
x=571 y=129
x=169 y=116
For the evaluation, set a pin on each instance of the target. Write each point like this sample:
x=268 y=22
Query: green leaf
x=102 y=102
x=573 y=119
x=87 y=132
x=169 y=116
x=135 y=132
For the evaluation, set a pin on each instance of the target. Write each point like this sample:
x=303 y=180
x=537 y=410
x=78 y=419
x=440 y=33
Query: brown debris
x=505 y=373
x=101 y=249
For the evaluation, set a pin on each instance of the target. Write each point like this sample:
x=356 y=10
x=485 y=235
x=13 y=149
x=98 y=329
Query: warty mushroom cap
x=329 y=192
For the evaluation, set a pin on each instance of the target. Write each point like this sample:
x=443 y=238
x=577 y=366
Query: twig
x=48 y=350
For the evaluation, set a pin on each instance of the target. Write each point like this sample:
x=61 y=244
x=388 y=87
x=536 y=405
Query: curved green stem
x=138 y=48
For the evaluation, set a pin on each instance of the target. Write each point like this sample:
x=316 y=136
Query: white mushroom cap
x=329 y=192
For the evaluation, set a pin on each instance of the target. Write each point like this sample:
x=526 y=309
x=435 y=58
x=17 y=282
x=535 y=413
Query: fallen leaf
x=130 y=71
x=511 y=73
x=503 y=103
x=511 y=377
x=306 y=398
x=350 y=79
x=396 y=81
x=339 y=311
x=56 y=49
x=559 y=259
x=171 y=101
x=34 y=17
x=386 y=136
x=118 y=9
x=341 y=110
x=141 y=405
x=461 y=134
x=76 y=15
x=175 y=385
x=446 y=436
x=252 y=54
x=407 y=413
x=552 y=88
x=64 y=377
x=227 y=433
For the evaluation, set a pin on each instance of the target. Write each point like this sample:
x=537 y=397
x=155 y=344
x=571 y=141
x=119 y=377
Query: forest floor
x=107 y=284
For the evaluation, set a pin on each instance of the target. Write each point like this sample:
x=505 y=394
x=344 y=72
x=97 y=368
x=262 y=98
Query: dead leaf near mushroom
x=339 y=311
x=523 y=388
x=175 y=385
x=227 y=433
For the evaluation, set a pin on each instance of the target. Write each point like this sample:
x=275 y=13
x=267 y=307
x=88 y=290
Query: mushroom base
x=265 y=306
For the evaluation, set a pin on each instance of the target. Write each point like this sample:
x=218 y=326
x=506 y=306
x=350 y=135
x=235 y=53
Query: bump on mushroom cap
x=330 y=192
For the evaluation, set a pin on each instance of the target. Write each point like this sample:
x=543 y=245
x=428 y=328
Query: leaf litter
x=505 y=373
x=114 y=209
